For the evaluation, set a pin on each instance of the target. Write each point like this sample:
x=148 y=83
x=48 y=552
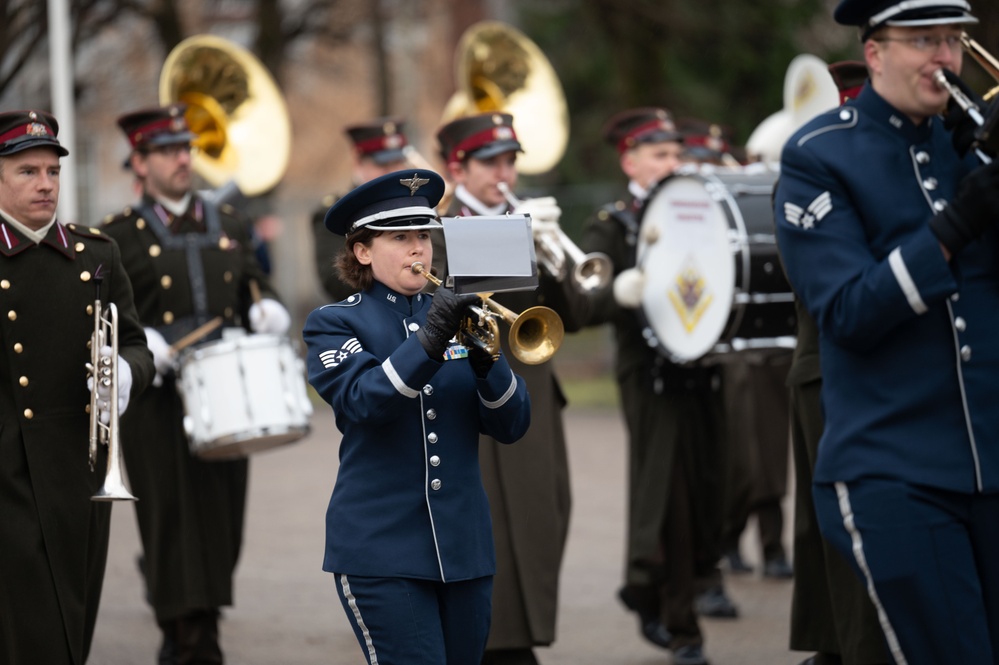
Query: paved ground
x=286 y=610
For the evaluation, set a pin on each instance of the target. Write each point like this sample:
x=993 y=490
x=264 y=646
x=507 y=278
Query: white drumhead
x=685 y=252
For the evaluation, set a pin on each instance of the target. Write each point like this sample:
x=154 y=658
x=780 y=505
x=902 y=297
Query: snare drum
x=713 y=280
x=243 y=395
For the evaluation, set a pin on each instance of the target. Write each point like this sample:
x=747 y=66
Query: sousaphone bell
x=234 y=107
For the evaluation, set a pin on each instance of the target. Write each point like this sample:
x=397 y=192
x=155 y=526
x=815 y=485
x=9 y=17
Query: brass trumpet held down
x=104 y=372
x=535 y=334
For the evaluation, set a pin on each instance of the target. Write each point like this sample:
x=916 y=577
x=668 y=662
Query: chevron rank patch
x=810 y=215
x=334 y=357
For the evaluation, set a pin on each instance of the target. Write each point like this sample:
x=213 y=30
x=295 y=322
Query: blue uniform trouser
x=403 y=621
x=930 y=561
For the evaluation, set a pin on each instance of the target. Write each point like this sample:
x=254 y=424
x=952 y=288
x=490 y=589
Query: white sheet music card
x=494 y=252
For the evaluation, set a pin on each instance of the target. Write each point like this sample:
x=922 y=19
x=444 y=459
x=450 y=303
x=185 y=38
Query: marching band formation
x=831 y=287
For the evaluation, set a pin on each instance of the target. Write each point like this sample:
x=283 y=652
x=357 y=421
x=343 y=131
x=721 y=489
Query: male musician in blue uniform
x=190 y=261
x=895 y=257
x=528 y=484
x=377 y=147
x=672 y=412
x=53 y=538
x=408 y=534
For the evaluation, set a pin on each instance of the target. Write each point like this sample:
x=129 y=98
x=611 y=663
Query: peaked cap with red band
x=479 y=136
x=630 y=128
x=704 y=140
x=152 y=127
x=382 y=139
x=22 y=130
x=850 y=76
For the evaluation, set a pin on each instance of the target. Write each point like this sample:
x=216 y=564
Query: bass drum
x=243 y=394
x=714 y=285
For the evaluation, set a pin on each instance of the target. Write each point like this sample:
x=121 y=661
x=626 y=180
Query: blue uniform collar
x=405 y=305
x=874 y=106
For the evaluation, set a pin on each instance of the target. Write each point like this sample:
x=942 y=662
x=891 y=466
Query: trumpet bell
x=594 y=273
x=536 y=335
x=498 y=68
x=234 y=107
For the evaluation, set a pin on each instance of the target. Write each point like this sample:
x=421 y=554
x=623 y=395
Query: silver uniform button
x=965 y=353
x=432 y=437
x=939 y=205
x=923 y=157
x=954 y=297
x=431 y=414
x=435 y=460
x=428 y=389
x=435 y=484
x=930 y=184
x=413 y=327
x=844 y=115
x=960 y=324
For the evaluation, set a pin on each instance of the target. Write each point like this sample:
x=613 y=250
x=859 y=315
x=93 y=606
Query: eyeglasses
x=927 y=43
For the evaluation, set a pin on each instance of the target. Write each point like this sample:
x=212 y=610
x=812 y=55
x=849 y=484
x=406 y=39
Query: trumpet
x=535 y=334
x=969 y=107
x=104 y=372
x=986 y=123
x=984 y=59
x=592 y=271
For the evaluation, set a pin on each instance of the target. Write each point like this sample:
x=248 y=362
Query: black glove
x=443 y=320
x=957 y=119
x=480 y=360
x=975 y=208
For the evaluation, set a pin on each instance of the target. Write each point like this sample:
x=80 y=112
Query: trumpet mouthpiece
x=417 y=267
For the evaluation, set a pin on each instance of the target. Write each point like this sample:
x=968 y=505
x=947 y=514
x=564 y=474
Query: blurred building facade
x=326 y=85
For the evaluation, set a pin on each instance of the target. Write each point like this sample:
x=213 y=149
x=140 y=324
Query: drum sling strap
x=192 y=244
x=626 y=218
x=629 y=223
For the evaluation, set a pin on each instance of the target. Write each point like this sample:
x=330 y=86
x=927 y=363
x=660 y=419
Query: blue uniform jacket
x=907 y=341
x=408 y=499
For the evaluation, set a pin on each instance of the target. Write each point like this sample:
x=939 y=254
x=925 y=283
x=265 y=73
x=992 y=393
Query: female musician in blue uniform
x=408 y=532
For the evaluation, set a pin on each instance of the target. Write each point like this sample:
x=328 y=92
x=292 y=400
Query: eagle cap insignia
x=414 y=183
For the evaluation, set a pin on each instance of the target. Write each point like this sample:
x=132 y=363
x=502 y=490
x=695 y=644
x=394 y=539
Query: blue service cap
x=401 y=201
x=870 y=15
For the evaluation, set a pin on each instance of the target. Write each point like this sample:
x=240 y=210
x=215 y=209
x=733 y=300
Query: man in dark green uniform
x=53 y=538
x=377 y=148
x=189 y=261
x=528 y=488
x=672 y=412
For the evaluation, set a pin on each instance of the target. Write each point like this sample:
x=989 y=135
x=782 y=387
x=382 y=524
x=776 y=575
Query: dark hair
x=350 y=271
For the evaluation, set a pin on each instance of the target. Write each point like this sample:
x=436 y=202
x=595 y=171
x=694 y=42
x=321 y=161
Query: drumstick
x=255 y=295
x=196 y=334
x=254 y=290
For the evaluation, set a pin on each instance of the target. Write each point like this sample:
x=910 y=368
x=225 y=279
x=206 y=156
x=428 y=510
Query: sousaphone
x=234 y=107
x=497 y=68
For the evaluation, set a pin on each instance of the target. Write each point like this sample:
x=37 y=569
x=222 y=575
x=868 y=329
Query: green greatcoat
x=528 y=484
x=191 y=514
x=830 y=609
x=53 y=538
